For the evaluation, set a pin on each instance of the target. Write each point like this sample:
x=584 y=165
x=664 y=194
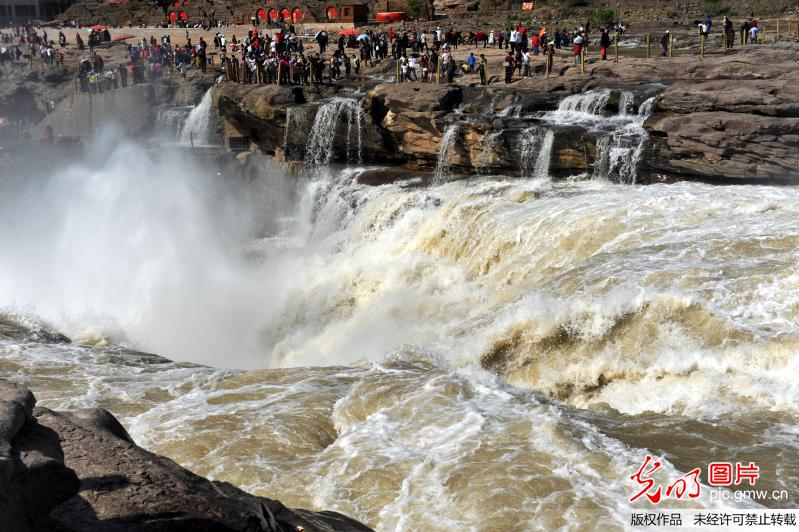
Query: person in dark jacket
x=604 y=43
x=508 y=64
x=664 y=41
x=451 y=67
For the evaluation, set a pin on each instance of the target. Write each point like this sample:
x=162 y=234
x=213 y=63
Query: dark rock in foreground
x=81 y=471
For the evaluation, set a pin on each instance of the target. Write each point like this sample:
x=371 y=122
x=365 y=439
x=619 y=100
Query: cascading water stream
x=626 y=102
x=327 y=127
x=619 y=153
x=169 y=122
x=529 y=148
x=535 y=151
x=298 y=127
x=443 y=164
x=487 y=155
x=493 y=330
x=196 y=130
x=591 y=102
x=542 y=162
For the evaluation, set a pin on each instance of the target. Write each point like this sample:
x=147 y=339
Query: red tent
x=349 y=32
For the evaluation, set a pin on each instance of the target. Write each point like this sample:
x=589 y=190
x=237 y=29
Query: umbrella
x=523 y=30
x=123 y=37
x=363 y=37
x=98 y=27
x=543 y=31
x=348 y=32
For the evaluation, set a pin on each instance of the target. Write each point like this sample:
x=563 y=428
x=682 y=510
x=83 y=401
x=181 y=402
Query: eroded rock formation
x=81 y=470
x=733 y=116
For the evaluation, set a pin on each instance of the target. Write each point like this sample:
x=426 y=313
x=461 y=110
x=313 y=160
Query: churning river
x=492 y=353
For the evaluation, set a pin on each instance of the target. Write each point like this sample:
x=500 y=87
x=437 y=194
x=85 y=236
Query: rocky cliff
x=78 y=471
x=733 y=116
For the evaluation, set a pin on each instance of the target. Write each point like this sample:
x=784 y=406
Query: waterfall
x=602 y=160
x=444 y=153
x=512 y=111
x=528 y=149
x=296 y=131
x=197 y=127
x=169 y=122
x=617 y=158
x=487 y=154
x=541 y=170
x=647 y=107
x=626 y=103
x=618 y=154
x=535 y=152
x=591 y=102
x=328 y=120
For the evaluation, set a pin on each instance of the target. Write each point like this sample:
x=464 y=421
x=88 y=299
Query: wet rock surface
x=81 y=471
x=733 y=116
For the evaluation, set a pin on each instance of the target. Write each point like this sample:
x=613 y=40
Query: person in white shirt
x=753 y=31
x=525 y=63
x=513 y=41
x=412 y=69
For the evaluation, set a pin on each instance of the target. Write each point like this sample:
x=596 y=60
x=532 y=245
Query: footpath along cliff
x=78 y=471
x=732 y=116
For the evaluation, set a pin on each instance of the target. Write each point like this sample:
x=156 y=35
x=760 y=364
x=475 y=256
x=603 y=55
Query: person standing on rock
x=201 y=55
x=508 y=64
x=729 y=32
x=525 y=64
x=577 y=48
x=123 y=75
x=753 y=32
x=482 y=68
x=434 y=65
x=664 y=42
x=703 y=30
x=451 y=68
x=604 y=43
x=321 y=38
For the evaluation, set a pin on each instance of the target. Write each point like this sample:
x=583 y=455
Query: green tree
x=416 y=7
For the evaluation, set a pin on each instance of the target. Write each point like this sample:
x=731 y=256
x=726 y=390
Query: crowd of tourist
x=277 y=53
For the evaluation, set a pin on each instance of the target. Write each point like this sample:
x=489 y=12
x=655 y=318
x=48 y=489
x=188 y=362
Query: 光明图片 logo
x=688 y=486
